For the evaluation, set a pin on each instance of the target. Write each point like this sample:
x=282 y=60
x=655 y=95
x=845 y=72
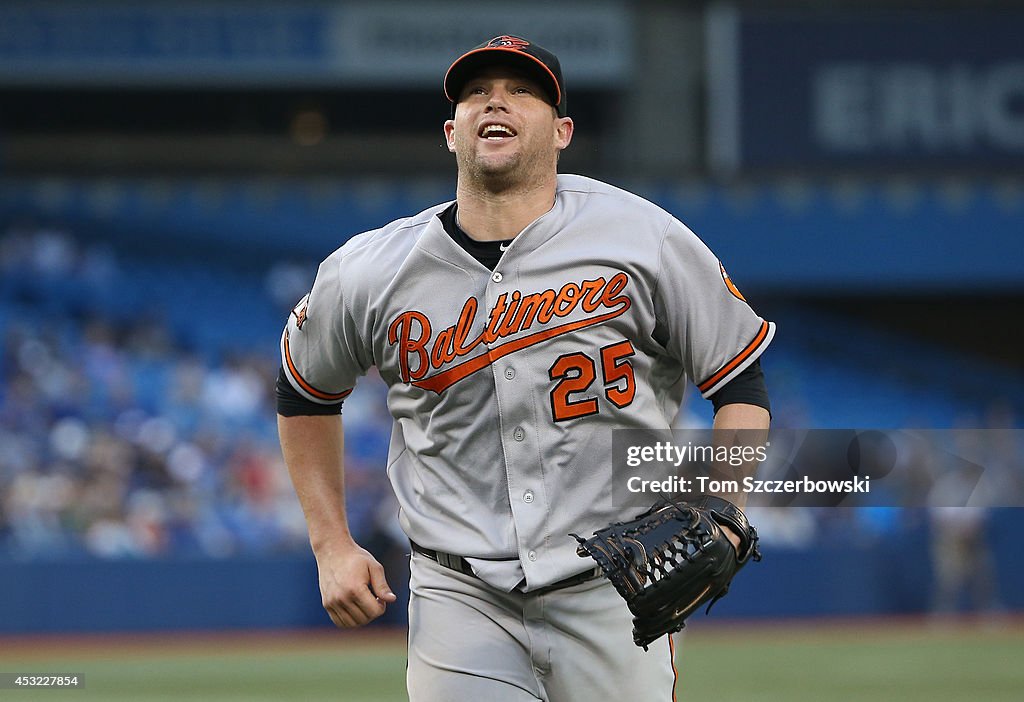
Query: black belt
x=460 y=564
x=446 y=559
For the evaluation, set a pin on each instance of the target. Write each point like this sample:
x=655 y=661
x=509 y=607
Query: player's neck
x=489 y=216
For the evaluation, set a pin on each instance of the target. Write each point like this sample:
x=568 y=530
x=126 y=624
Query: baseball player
x=515 y=327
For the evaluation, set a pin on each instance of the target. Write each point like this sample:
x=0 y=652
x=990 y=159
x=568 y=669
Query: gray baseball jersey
x=505 y=385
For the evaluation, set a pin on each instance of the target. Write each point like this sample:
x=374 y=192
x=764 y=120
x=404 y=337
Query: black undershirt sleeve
x=747 y=388
x=291 y=404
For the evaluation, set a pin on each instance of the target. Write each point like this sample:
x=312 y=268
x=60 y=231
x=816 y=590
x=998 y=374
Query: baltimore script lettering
x=419 y=350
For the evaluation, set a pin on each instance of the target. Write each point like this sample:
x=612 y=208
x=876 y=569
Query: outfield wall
x=890 y=575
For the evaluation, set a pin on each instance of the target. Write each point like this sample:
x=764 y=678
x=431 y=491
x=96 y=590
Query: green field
x=834 y=662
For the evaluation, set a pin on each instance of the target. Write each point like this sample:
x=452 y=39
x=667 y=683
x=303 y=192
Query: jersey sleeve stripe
x=749 y=352
x=304 y=385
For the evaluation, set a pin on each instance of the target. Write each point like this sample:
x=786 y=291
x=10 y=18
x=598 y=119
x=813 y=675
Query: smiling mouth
x=495 y=132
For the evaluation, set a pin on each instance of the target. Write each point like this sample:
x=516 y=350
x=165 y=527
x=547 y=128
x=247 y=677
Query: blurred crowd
x=125 y=433
x=120 y=438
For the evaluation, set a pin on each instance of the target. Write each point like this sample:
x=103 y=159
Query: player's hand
x=733 y=538
x=353 y=588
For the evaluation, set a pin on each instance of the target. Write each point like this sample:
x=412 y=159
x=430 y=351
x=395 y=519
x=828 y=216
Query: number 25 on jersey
x=576 y=372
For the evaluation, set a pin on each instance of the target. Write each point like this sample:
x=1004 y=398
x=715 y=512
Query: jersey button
x=496 y=277
x=528 y=497
x=532 y=555
x=510 y=373
x=518 y=434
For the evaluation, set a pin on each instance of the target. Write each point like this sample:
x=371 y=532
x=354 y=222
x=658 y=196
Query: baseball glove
x=672 y=559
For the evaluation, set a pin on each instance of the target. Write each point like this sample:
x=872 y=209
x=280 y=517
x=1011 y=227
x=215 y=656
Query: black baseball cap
x=509 y=50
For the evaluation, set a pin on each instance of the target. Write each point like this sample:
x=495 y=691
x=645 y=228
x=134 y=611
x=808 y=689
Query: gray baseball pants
x=469 y=641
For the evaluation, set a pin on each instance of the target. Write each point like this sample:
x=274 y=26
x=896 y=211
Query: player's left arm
x=741 y=424
x=710 y=327
x=746 y=425
x=742 y=418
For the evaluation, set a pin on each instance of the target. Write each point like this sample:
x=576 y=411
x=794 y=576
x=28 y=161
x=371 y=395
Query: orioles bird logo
x=300 y=312
x=729 y=284
x=508 y=42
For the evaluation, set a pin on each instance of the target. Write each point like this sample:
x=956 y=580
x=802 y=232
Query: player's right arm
x=352 y=583
x=322 y=354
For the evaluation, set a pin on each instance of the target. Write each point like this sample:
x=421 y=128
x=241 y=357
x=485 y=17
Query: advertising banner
x=870 y=90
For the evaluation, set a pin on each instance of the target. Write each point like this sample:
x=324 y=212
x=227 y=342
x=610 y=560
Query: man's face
x=505 y=130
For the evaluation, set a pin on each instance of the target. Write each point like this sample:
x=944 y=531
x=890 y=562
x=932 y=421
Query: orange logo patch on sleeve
x=729 y=284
